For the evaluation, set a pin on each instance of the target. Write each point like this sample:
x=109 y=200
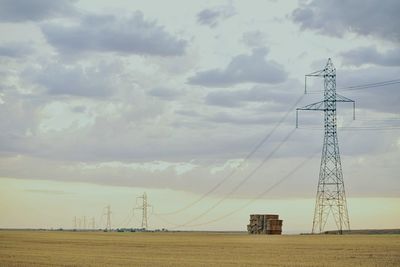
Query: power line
x=129 y=221
x=101 y=217
x=246 y=178
x=359 y=87
x=369 y=85
x=259 y=196
x=248 y=156
x=357 y=128
x=124 y=222
x=255 y=149
x=392 y=119
x=363 y=86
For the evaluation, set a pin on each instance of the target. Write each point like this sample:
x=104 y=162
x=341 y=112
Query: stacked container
x=265 y=224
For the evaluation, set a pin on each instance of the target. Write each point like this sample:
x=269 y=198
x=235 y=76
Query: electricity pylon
x=144 y=207
x=331 y=197
x=108 y=214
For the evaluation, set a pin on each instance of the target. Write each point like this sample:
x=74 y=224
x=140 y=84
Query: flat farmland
x=48 y=248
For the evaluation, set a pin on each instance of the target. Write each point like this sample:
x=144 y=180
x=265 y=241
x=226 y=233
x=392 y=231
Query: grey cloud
x=200 y=178
x=228 y=98
x=375 y=99
x=208 y=17
x=232 y=136
x=79 y=109
x=212 y=16
x=60 y=79
x=140 y=129
x=370 y=55
x=19 y=118
x=34 y=10
x=243 y=68
x=380 y=99
x=225 y=117
x=109 y=33
x=224 y=99
x=15 y=50
x=364 y=17
x=189 y=113
x=165 y=93
x=254 y=39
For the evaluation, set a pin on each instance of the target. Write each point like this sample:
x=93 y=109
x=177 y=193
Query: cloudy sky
x=103 y=100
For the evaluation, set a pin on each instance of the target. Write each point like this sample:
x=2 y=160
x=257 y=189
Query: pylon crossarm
x=340 y=98
x=314 y=106
x=318 y=73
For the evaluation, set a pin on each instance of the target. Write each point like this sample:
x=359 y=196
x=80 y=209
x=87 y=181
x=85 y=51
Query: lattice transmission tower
x=108 y=214
x=144 y=207
x=331 y=196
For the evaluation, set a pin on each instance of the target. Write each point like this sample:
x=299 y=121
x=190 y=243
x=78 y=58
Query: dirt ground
x=46 y=248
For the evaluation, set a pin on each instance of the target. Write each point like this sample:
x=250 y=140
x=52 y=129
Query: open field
x=41 y=248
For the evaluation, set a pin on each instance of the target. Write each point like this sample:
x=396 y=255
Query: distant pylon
x=144 y=207
x=84 y=222
x=331 y=196
x=93 y=223
x=108 y=214
x=75 y=222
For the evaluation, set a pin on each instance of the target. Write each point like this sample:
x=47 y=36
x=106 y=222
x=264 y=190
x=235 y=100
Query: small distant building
x=267 y=224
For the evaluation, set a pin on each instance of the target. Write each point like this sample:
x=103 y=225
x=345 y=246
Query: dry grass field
x=40 y=248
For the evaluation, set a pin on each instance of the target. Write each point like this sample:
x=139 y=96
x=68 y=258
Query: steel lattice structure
x=144 y=207
x=108 y=214
x=331 y=197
